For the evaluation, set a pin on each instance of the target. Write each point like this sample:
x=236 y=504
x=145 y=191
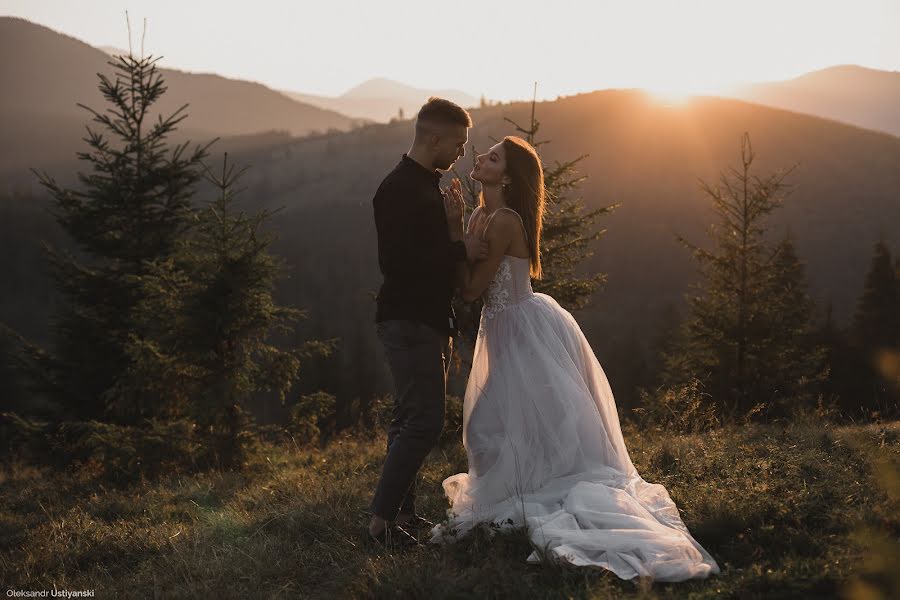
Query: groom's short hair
x=443 y=112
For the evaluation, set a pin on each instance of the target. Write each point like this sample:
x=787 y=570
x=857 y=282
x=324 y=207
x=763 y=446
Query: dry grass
x=806 y=510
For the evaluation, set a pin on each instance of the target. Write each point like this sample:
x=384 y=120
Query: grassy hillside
x=803 y=510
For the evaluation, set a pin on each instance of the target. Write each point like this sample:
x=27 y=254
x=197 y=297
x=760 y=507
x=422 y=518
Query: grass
x=804 y=510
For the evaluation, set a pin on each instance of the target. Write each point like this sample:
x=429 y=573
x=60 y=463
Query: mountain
x=649 y=156
x=112 y=50
x=641 y=153
x=382 y=99
x=387 y=88
x=46 y=73
x=644 y=154
x=851 y=94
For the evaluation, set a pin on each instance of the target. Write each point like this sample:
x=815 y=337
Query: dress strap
x=513 y=212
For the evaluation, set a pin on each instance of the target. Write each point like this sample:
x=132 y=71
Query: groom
x=414 y=316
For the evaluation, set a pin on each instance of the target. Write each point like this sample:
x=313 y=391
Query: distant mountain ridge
x=851 y=94
x=381 y=99
x=848 y=93
x=46 y=73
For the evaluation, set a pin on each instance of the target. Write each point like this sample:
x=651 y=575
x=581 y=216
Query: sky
x=497 y=48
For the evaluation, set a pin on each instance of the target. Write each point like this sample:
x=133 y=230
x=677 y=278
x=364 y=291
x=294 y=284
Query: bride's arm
x=474 y=278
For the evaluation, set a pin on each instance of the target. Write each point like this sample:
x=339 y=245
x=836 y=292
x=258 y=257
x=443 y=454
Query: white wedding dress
x=545 y=448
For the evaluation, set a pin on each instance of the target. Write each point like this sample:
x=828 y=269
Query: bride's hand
x=454 y=206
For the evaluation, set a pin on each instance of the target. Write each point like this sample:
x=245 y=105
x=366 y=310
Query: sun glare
x=675 y=84
x=675 y=94
x=670 y=94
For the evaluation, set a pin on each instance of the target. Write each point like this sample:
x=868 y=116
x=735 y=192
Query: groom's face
x=450 y=146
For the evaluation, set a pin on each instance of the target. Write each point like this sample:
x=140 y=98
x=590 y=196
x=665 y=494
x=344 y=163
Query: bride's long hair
x=525 y=193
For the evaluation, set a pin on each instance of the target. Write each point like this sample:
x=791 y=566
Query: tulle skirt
x=545 y=450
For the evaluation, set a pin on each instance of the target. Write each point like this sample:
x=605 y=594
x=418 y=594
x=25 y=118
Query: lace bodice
x=511 y=285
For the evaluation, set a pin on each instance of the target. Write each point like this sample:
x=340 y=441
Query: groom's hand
x=476 y=247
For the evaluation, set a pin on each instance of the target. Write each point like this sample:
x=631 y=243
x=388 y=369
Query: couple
x=540 y=427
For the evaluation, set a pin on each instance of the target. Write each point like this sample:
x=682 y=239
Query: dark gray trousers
x=419 y=359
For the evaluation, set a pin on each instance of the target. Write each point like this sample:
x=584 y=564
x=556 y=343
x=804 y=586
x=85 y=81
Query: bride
x=540 y=427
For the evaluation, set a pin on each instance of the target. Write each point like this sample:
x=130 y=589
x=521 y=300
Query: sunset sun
x=671 y=94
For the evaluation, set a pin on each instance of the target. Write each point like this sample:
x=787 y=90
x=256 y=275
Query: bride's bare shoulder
x=502 y=224
x=506 y=219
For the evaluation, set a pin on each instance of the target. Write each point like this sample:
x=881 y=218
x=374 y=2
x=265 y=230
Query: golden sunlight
x=671 y=94
x=676 y=93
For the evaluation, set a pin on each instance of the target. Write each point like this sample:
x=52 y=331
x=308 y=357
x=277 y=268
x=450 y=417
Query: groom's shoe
x=392 y=537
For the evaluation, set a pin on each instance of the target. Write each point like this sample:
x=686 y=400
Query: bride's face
x=490 y=167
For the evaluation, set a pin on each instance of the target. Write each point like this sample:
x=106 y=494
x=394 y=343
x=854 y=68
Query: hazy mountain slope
x=45 y=74
x=648 y=157
x=382 y=99
x=864 y=97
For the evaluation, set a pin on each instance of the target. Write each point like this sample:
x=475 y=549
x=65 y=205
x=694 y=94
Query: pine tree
x=12 y=385
x=844 y=366
x=569 y=230
x=798 y=368
x=876 y=333
x=131 y=207
x=209 y=314
x=749 y=309
x=876 y=323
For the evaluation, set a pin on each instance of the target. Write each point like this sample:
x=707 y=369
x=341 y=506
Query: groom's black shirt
x=415 y=253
